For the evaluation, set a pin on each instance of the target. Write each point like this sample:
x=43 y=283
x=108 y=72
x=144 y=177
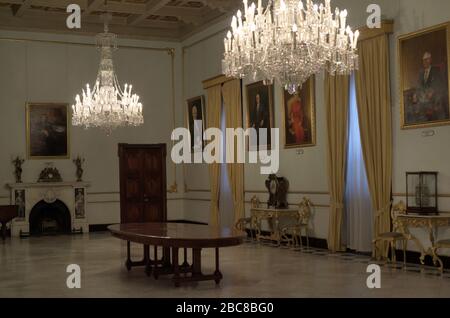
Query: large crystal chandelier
x=289 y=41
x=107 y=105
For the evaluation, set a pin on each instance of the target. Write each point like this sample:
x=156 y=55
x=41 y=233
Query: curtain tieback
x=382 y=211
x=337 y=205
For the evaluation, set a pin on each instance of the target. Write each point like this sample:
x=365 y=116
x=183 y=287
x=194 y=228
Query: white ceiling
x=149 y=19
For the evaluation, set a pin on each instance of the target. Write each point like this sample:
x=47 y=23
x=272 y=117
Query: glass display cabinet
x=421 y=192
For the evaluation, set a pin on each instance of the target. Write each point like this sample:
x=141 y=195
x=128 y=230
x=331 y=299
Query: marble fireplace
x=45 y=208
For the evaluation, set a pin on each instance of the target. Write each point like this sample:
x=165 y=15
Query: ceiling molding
x=161 y=19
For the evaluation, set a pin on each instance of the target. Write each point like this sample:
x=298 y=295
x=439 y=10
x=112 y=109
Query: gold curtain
x=374 y=109
x=231 y=92
x=213 y=112
x=336 y=100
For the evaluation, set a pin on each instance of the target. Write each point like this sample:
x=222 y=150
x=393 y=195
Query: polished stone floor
x=36 y=267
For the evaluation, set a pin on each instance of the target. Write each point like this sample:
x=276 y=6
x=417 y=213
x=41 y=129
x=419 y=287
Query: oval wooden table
x=172 y=237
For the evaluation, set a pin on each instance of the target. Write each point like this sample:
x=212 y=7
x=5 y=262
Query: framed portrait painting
x=47 y=131
x=260 y=113
x=196 y=121
x=424 y=68
x=300 y=117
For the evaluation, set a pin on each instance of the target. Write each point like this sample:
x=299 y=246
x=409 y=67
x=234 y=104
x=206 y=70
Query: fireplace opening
x=50 y=218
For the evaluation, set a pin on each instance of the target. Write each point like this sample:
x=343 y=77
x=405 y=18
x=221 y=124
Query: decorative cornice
x=217 y=80
x=366 y=33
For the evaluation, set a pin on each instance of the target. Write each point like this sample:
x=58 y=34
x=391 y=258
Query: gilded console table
x=430 y=223
x=273 y=218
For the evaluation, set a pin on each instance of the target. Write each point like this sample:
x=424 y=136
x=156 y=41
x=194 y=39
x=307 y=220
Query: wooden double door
x=143 y=191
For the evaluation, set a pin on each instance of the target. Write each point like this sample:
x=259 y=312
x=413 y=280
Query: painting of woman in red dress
x=299 y=117
x=296 y=119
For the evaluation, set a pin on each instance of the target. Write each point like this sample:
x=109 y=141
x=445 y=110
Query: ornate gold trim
x=443 y=195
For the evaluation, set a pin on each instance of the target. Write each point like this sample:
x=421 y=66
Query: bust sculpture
x=17 y=162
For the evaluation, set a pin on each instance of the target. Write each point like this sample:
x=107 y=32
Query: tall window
x=226 y=207
x=358 y=219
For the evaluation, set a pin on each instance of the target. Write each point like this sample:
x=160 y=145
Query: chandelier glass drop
x=107 y=105
x=289 y=41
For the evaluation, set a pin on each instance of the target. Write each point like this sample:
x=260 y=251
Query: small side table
x=272 y=216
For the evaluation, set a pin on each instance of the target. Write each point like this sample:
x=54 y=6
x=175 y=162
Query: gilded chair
x=391 y=238
x=292 y=234
x=243 y=223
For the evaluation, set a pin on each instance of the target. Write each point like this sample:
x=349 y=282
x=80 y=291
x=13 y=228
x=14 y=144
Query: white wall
x=37 y=71
x=308 y=172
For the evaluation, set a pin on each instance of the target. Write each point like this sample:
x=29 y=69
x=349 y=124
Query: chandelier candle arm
x=107 y=105
x=289 y=41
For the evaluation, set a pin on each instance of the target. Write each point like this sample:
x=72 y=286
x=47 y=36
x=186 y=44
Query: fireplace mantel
x=48 y=185
x=27 y=195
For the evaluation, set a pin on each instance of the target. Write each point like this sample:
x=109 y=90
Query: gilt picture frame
x=424 y=58
x=299 y=117
x=48 y=131
x=195 y=110
x=260 y=112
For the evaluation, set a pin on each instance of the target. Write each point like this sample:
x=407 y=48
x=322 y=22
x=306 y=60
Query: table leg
x=217 y=273
x=166 y=257
x=185 y=264
x=128 y=261
x=176 y=268
x=4 y=231
x=147 y=260
x=155 y=272
x=196 y=262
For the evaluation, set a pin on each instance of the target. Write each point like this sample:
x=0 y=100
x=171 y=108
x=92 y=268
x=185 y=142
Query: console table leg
x=217 y=273
x=176 y=268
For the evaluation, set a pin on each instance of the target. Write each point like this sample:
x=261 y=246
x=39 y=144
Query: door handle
x=146 y=199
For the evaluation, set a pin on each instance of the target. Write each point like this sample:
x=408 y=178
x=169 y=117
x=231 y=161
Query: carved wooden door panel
x=142 y=183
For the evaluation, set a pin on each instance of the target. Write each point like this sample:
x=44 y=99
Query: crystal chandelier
x=107 y=105
x=289 y=41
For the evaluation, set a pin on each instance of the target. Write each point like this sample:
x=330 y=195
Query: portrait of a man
x=196 y=121
x=299 y=117
x=260 y=112
x=424 y=78
x=47 y=131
